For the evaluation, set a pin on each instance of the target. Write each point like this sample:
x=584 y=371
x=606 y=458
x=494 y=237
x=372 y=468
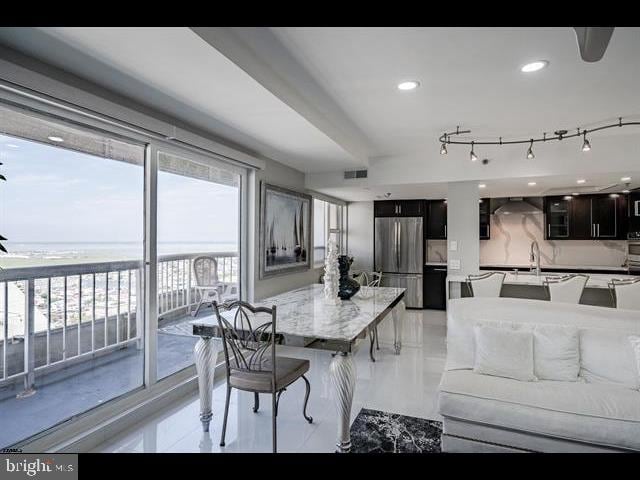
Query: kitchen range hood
x=517 y=206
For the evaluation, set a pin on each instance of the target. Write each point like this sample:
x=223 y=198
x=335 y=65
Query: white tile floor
x=405 y=384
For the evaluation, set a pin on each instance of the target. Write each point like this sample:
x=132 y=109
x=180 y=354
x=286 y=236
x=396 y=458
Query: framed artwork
x=285 y=230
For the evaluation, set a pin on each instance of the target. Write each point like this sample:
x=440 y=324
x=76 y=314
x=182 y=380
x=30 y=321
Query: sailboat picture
x=285 y=230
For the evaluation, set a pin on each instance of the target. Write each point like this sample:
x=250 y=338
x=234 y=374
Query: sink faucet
x=535 y=257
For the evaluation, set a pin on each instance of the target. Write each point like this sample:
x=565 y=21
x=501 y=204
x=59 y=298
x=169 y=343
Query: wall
x=277 y=174
x=462 y=227
x=360 y=233
x=511 y=237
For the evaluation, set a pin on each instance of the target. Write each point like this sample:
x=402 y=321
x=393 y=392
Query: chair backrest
x=486 y=284
x=566 y=289
x=374 y=281
x=626 y=293
x=249 y=346
x=205 y=270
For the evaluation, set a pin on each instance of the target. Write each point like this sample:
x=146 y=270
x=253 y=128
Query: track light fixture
x=586 y=146
x=445 y=138
x=530 y=154
x=472 y=154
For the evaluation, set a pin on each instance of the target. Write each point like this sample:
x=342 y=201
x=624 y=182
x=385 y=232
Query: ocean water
x=25 y=254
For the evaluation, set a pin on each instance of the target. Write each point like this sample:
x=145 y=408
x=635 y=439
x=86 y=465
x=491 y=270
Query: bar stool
x=485 y=284
x=566 y=289
x=625 y=293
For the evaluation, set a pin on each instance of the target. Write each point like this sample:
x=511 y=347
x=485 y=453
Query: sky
x=57 y=195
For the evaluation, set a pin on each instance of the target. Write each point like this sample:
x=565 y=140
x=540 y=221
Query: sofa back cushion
x=556 y=352
x=606 y=356
x=504 y=352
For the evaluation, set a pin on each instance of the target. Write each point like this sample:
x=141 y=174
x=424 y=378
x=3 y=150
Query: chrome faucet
x=534 y=256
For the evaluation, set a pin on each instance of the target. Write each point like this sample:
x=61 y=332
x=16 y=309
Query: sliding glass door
x=72 y=282
x=198 y=249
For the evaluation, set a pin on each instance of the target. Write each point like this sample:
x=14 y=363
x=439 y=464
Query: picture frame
x=285 y=230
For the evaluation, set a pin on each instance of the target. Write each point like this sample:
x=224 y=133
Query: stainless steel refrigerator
x=399 y=243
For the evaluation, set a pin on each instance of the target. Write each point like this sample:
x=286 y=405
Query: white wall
x=277 y=174
x=360 y=232
x=462 y=226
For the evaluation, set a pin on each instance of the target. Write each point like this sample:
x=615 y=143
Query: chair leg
x=274 y=407
x=278 y=400
x=195 y=314
x=377 y=343
x=256 y=402
x=226 y=413
x=371 y=339
x=306 y=400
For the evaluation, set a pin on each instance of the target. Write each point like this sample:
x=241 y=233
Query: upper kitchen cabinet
x=557 y=213
x=586 y=217
x=485 y=219
x=437 y=220
x=399 y=208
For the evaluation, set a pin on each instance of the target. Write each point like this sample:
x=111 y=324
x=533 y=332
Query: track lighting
x=586 y=146
x=530 y=154
x=472 y=154
x=443 y=149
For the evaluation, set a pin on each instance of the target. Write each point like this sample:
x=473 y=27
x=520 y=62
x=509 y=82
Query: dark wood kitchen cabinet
x=399 y=208
x=437 y=220
x=586 y=217
x=435 y=278
x=485 y=219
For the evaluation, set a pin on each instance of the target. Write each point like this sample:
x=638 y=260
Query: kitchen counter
x=503 y=266
x=596 y=280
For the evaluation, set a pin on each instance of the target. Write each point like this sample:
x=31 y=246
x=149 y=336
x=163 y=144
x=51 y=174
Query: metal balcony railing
x=55 y=316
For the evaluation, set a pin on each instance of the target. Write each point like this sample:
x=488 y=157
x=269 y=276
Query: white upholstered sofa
x=598 y=413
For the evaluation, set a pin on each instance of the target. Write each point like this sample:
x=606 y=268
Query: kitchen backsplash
x=510 y=243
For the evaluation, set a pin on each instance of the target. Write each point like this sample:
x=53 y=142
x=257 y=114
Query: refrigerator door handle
x=397 y=245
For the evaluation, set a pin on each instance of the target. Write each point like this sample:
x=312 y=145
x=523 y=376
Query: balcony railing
x=56 y=316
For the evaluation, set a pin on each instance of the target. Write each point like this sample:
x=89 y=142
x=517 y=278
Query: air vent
x=351 y=174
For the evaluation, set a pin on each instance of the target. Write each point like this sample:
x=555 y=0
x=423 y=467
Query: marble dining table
x=306 y=319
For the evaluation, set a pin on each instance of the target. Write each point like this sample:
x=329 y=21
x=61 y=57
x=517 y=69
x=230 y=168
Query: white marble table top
x=303 y=312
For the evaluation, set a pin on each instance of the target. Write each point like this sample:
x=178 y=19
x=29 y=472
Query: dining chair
x=205 y=272
x=625 y=293
x=251 y=362
x=485 y=284
x=567 y=288
x=371 y=279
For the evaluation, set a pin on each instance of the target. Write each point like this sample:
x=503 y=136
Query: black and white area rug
x=374 y=431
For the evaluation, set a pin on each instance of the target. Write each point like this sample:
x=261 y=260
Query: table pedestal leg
x=206 y=354
x=398 y=318
x=343 y=379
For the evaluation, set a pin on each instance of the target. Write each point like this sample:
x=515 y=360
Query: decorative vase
x=331 y=273
x=348 y=286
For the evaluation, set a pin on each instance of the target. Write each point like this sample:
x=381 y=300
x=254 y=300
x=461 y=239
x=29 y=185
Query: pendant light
x=472 y=154
x=586 y=146
x=530 y=154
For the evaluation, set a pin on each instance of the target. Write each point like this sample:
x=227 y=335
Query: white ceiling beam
x=260 y=54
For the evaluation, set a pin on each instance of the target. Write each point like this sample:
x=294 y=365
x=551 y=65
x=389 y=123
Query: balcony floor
x=74 y=390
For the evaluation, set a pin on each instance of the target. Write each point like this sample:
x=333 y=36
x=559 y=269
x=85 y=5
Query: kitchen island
x=530 y=285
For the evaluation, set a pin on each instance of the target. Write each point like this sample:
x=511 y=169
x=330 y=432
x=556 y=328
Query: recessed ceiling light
x=625 y=179
x=581 y=180
x=12 y=145
x=481 y=185
x=534 y=66
x=614 y=195
x=575 y=194
x=532 y=184
x=625 y=191
x=56 y=139
x=408 y=85
x=568 y=197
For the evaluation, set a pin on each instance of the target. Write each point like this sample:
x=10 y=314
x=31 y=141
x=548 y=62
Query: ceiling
x=324 y=99
x=176 y=72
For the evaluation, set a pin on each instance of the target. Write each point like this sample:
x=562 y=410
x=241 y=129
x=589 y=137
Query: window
x=328 y=219
x=71 y=333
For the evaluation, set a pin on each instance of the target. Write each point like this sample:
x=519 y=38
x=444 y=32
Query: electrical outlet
x=454 y=264
x=453 y=245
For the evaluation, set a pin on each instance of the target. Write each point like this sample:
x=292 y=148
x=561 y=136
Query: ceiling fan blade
x=593 y=41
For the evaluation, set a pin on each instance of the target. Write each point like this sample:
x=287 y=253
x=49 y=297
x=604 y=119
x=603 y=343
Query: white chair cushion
x=567 y=291
x=504 y=352
x=556 y=352
x=489 y=286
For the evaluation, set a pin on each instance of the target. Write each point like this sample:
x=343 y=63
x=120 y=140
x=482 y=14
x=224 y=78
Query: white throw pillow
x=556 y=353
x=504 y=352
x=606 y=356
x=635 y=344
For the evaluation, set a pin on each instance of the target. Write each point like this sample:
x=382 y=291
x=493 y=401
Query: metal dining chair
x=485 y=284
x=251 y=362
x=372 y=279
x=567 y=288
x=625 y=293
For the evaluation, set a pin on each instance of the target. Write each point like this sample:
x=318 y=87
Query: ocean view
x=27 y=254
